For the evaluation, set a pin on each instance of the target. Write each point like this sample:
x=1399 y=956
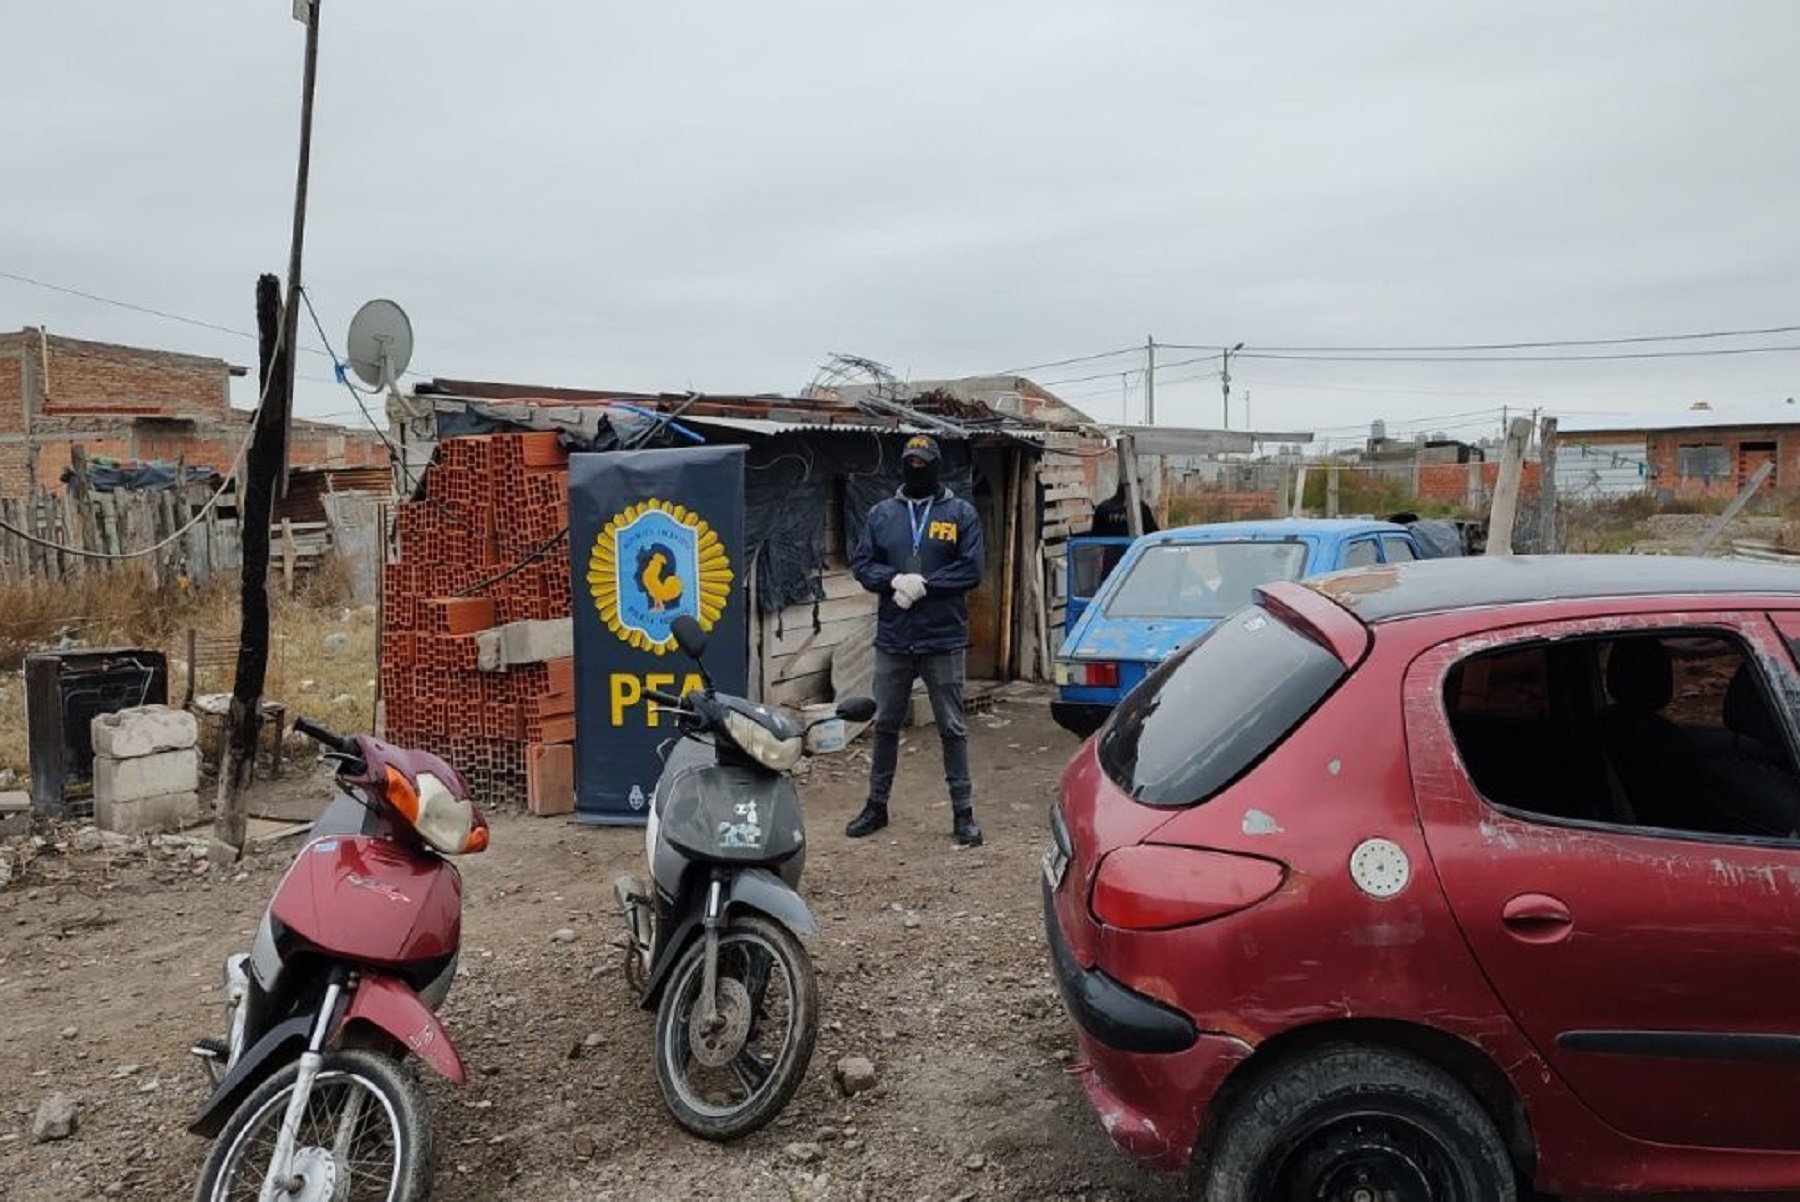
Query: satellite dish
x=380 y=344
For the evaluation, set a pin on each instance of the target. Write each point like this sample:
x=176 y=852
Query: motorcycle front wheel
x=724 y=1079
x=364 y=1136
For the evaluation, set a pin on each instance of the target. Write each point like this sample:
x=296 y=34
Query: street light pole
x=1225 y=381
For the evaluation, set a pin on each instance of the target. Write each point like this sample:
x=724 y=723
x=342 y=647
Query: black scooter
x=714 y=945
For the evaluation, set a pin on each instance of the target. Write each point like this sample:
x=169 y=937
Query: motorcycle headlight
x=775 y=754
x=448 y=823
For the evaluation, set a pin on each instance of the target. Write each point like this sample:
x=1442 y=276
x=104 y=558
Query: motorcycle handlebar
x=662 y=698
x=342 y=744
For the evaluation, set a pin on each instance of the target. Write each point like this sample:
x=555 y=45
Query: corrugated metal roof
x=1713 y=418
x=767 y=426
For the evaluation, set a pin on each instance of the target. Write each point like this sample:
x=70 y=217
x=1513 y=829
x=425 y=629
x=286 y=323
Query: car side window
x=1668 y=730
x=1361 y=553
x=1397 y=549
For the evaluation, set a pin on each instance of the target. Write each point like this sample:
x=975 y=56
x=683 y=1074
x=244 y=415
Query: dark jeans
x=942 y=672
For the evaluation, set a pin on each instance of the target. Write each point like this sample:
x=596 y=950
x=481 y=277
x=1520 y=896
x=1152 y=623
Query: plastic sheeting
x=1439 y=538
x=117 y=475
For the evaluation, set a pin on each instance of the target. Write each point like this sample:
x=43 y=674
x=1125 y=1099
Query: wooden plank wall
x=120 y=522
x=1068 y=510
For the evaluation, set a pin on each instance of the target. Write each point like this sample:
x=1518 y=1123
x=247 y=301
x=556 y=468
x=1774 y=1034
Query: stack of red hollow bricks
x=466 y=565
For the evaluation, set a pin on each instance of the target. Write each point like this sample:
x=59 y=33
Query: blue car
x=1133 y=602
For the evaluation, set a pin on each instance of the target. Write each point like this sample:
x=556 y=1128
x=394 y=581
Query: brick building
x=134 y=404
x=1701 y=452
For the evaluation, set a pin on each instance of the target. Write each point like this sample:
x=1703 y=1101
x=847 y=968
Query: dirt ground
x=109 y=967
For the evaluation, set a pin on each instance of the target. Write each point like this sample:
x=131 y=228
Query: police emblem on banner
x=651 y=563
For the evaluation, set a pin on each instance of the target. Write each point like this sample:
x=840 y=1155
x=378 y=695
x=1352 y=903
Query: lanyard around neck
x=919 y=521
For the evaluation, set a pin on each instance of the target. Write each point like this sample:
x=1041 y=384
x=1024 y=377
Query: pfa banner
x=653 y=534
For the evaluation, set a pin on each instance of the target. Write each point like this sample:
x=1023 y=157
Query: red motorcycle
x=311 y=1097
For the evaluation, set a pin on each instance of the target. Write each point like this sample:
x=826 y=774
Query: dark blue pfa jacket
x=950 y=557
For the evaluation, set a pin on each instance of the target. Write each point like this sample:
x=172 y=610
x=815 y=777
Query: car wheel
x=1357 y=1124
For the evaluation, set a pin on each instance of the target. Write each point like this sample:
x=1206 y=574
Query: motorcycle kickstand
x=279 y=1180
x=709 y=978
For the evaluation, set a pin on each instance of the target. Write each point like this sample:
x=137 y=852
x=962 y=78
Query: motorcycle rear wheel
x=385 y=1155
x=755 y=956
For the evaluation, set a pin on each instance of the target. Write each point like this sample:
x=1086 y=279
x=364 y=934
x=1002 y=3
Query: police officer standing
x=921 y=551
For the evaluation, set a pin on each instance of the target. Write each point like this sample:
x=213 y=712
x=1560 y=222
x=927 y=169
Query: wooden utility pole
x=308 y=11
x=256 y=504
x=264 y=475
x=1549 y=540
x=1506 y=488
x=1128 y=472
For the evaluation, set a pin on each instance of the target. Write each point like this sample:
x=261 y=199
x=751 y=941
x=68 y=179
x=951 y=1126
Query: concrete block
x=918 y=712
x=146 y=776
x=15 y=814
x=537 y=642
x=487 y=652
x=146 y=730
x=147 y=815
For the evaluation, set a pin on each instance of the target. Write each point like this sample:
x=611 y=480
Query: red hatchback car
x=1450 y=880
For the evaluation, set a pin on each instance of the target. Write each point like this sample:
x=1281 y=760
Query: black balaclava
x=919 y=468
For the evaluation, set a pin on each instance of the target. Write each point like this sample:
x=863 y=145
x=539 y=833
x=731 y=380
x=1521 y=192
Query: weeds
x=321 y=649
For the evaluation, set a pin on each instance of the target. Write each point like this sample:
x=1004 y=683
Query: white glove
x=908 y=588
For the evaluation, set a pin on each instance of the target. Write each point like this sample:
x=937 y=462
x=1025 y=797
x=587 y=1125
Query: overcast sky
x=717 y=195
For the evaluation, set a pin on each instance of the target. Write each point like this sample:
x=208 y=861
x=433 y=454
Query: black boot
x=967 y=833
x=872 y=819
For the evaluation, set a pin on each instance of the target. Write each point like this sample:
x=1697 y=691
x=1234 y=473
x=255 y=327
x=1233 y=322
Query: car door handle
x=1537 y=918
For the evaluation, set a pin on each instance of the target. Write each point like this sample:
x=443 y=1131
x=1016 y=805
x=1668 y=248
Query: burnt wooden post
x=261 y=476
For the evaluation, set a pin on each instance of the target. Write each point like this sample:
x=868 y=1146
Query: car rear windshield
x=1202 y=580
x=1214 y=708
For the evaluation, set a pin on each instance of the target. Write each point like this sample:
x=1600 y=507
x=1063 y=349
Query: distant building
x=135 y=404
x=1702 y=451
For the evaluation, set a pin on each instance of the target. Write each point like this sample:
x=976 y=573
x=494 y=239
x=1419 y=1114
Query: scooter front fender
x=761 y=890
x=390 y=1005
x=257 y=1062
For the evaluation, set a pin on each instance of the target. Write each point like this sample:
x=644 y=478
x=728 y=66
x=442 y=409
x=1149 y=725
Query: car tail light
x=1097 y=674
x=1155 y=887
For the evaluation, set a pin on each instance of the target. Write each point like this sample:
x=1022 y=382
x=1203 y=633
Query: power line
x=1129 y=350
x=1516 y=346
x=196 y=322
x=1610 y=357
x=1113 y=375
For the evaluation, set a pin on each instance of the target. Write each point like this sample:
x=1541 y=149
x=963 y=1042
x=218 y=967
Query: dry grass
x=312 y=669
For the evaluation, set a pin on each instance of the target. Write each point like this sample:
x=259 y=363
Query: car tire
x=1348 y=1117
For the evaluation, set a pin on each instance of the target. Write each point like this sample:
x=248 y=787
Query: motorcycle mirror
x=856 y=709
x=688 y=636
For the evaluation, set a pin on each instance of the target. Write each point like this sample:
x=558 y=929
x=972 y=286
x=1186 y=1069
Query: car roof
x=1277 y=528
x=1391 y=591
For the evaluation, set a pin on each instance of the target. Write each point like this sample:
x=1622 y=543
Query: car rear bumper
x=1080 y=718
x=1148 y=1072
x=1118 y=1017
